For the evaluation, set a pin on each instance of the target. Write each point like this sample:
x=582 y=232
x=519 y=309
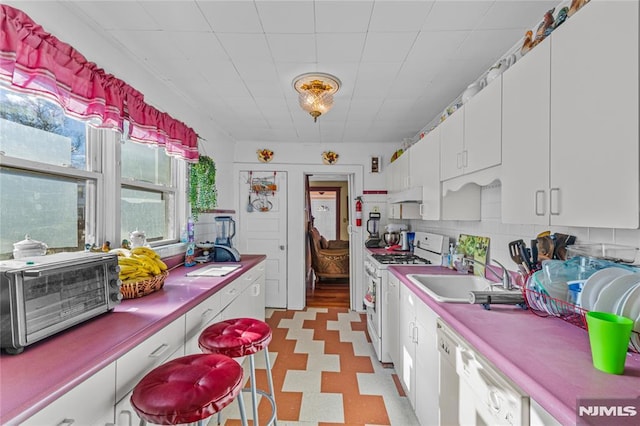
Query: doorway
x=326 y=210
x=328 y=278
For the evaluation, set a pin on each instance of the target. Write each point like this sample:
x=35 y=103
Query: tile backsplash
x=501 y=234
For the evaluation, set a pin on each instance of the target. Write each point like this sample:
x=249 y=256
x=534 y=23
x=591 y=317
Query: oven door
x=373 y=304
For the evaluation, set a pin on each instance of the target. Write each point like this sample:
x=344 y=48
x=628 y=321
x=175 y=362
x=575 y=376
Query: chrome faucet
x=505 y=278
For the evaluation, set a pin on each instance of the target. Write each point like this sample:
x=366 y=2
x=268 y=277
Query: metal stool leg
x=254 y=386
x=243 y=416
x=271 y=388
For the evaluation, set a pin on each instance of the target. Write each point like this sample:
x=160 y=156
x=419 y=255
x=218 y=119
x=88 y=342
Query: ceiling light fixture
x=315 y=92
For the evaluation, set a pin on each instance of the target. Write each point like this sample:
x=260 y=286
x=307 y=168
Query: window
x=148 y=193
x=60 y=183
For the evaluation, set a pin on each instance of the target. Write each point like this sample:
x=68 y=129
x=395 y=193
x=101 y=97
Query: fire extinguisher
x=358 y=211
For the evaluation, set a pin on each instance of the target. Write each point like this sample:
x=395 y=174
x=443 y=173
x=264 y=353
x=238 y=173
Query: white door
x=263 y=228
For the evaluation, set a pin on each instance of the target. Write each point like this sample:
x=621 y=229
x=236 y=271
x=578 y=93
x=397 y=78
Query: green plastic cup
x=609 y=339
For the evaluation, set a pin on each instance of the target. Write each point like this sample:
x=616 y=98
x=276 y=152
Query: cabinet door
x=408 y=330
x=392 y=298
x=197 y=319
x=483 y=128
x=401 y=171
x=429 y=152
x=427 y=362
x=149 y=354
x=451 y=145
x=525 y=138
x=594 y=117
x=89 y=403
x=125 y=414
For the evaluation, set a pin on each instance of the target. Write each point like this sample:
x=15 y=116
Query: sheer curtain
x=34 y=61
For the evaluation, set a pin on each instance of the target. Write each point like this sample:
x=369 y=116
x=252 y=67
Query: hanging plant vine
x=202 y=186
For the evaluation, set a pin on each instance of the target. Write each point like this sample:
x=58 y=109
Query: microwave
x=43 y=295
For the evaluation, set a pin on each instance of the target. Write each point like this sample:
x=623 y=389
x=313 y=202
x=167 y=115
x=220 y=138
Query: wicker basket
x=132 y=289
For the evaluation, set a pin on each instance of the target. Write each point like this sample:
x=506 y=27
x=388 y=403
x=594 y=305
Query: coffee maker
x=223 y=250
x=372 y=228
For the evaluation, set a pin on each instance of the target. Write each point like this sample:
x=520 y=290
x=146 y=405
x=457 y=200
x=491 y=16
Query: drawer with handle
x=155 y=350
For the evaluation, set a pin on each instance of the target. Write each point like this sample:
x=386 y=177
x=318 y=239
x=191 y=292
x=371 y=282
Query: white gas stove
x=427 y=252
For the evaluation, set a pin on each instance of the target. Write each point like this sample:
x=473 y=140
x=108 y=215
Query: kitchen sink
x=451 y=288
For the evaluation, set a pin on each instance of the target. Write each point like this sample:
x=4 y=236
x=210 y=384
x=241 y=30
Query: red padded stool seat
x=188 y=389
x=240 y=337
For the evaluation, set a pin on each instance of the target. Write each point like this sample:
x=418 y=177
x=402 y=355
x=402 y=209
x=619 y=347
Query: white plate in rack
x=611 y=293
x=631 y=309
x=596 y=282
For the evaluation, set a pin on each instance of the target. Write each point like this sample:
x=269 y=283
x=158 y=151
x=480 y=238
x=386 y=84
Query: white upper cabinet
x=570 y=124
x=398 y=177
x=525 y=138
x=594 y=117
x=471 y=137
x=452 y=145
x=483 y=128
x=427 y=150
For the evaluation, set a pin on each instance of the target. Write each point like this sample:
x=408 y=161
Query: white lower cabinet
x=419 y=352
x=246 y=295
x=199 y=318
x=538 y=416
x=156 y=350
x=104 y=398
x=89 y=403
x=125 y=414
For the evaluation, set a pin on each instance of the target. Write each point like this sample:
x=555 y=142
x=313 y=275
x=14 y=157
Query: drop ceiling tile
x=399 y=15
x=456 y=15
x=436 y=46
x=286 y=16
x=148 y=44
x=343 y=16
x=245 y=46
x=388 y=47
x=264 y=89
x=231 y=16
x=364 y=109
x=516 y=14
x=293 y=47
x=376 y=76
x=488 y=44
x=176 y=15
x=342 y=47
x=118 y=15
x=202 y=47
x=256 y=70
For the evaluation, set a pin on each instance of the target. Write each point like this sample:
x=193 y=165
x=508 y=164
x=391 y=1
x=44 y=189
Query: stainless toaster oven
x=44 y=295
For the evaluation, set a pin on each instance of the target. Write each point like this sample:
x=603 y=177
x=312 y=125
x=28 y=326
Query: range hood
x=410 y=195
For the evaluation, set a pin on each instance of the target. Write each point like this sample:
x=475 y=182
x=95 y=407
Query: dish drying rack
x=547 y=306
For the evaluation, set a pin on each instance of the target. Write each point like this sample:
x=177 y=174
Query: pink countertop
x=50 y=368
x=548 y=358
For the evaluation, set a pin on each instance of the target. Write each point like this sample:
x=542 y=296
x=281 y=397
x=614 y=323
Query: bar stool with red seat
x=188 y=389
x=240 y=337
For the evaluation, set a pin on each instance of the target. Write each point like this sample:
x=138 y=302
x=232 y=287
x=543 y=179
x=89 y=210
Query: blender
x=223 y=250
x=225 y=230
x=372 y=228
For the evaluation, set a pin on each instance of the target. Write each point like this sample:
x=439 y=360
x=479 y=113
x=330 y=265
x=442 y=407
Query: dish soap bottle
x=190 y=255
x=446 y=257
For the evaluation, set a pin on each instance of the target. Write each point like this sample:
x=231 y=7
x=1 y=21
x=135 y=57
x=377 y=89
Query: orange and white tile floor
x=325 y=373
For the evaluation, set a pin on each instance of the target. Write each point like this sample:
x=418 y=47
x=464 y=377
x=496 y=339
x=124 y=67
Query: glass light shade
x=316 y=92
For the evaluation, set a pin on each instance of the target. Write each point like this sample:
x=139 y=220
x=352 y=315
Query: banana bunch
x=142 y=262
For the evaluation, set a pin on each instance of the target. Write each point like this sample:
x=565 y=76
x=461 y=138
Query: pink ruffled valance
x=34 y=61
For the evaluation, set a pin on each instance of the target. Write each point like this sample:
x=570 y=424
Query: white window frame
x=103 y=150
